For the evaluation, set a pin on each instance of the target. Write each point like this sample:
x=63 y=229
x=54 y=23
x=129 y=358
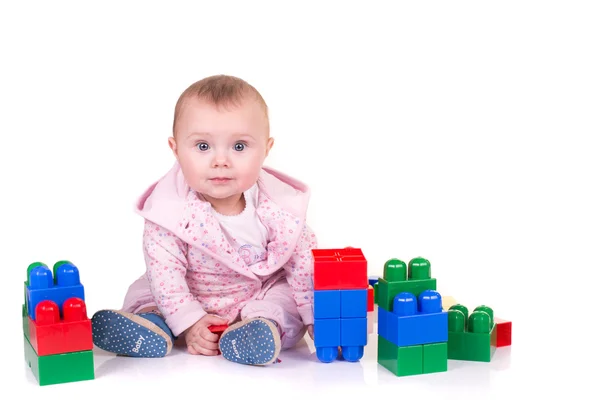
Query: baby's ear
x=173 y=146
x=269 y=145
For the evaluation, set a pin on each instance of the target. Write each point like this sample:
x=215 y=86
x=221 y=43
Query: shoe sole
x=251 y=342
x=127 y=334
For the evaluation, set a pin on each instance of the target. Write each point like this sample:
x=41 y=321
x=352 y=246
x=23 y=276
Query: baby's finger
x=204 y=351
x=206 y=344
x=208 y=335
x=192 y=350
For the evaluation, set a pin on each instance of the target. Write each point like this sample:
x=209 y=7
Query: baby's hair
x=219 y=90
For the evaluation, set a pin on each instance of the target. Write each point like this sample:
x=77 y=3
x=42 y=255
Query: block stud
x=55 y=268
x=405 y=304
x=74 y=310
x=430 y=301
x=67 y=275
x=479 y=322
x=419 y=268
x=464 y=310
x=394 y=270
x=40 y=278
x=31 y=267
x=456 y=321
x=489 y=311
x=47 y=313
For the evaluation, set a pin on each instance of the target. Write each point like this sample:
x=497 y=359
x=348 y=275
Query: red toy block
x=218 y=329
x=49 y=334
x=340 y=269
x=370 y=299
x=504 y=332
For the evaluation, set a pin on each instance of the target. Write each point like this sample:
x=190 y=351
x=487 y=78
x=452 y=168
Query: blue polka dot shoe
x=134 y=335
x=254 y=341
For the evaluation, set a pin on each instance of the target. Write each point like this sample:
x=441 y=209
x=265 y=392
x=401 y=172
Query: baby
x=225 y=240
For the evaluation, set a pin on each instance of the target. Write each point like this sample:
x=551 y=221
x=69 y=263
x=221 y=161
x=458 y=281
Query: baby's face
x=221 y=150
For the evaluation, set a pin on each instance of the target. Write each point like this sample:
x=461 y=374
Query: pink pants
x=277 y=304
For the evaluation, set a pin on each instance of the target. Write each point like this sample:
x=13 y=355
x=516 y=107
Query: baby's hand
x=200 y=340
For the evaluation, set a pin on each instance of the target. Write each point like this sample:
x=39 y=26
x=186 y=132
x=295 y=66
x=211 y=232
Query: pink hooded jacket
x=193 y=270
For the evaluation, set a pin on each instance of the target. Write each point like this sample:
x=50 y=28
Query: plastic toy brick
x=504 y=332
x=414 y=321
x=59 y=368
x=471 y=337
x=327 y=332
x=412 y=360
x=327 y=304
x=353 y=332
x=42 y=284
x=373 y=280
x=370 y=299
x=25 y=320
x=401 y=361
x=49 y=334
x=339 y=269
x=435 y=357
x=398 y=278
x=354 y=303
x=348 y=333
x=218 y=329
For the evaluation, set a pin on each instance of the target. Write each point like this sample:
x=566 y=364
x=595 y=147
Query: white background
x=460 y=131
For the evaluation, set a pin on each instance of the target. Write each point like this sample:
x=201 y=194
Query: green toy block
x=471 y=337
x=60 y=368
x=401 y=361
x=25 y=317
x=375 y=291
x=398 y=278
x=435 y=357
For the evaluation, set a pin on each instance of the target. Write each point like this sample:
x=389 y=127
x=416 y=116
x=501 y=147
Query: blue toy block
x=42 y=286
x=327 y=304
x=414 y=322
x=354 y=303
x=373 y=280
x=354 y=331
x=327 y=332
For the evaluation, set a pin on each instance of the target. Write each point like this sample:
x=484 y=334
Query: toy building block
x=504 y=332
x=471 y=337
x=341 y=302
x=373 y=280
x=50 y=334
x=370 y=299
x=59 y=368
x=413 y=321
x=412 y=360
x=339 y=269
x=398 y=278
x=43 y=284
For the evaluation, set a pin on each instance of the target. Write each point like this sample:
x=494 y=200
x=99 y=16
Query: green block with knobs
x=398 y=278
x=471 y=337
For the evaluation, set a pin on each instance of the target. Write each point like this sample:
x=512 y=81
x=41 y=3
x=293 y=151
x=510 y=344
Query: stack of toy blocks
x=340 y=303
x=471 y=337
x=412 y=326
x=57 y=331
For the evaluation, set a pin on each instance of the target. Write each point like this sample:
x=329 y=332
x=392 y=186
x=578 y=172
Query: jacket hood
x=163 y=202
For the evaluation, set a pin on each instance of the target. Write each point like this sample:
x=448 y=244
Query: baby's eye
x=202 y=146
x=239 y=146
